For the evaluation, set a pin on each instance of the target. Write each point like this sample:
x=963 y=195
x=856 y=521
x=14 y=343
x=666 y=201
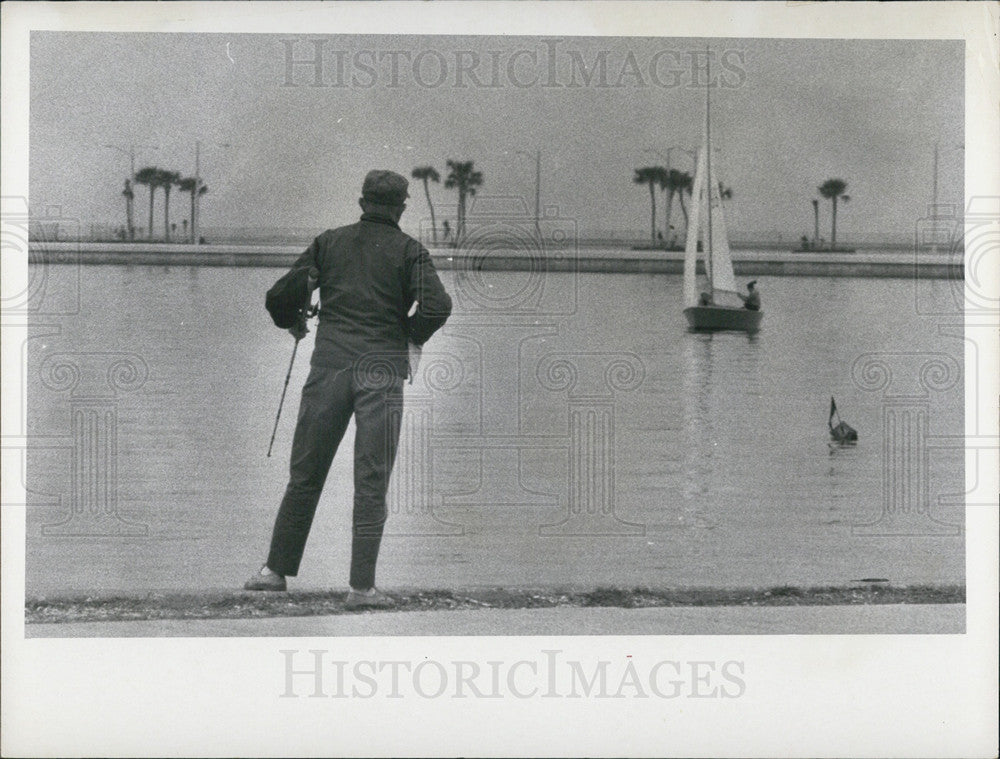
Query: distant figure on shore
x=447 y=230
x=751 y=300
x=705 y=299
x=659 y=236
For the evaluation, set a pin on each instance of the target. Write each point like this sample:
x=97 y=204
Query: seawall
x=745 y=263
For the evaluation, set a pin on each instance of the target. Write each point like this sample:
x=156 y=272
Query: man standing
x=370 y=275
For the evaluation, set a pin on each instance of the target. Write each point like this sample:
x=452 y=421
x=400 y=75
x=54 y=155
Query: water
x=717 y=470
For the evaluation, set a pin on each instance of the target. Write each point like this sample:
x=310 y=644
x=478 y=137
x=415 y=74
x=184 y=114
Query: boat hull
x=720 y=318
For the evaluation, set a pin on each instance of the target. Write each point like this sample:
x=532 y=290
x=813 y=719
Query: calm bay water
x=565 y=430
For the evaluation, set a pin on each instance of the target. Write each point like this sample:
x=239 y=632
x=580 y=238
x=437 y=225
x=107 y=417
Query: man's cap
x=385 y=188
x=751 y=284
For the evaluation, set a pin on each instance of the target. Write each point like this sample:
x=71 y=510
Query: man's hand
x=414 y=352
x=299 y=329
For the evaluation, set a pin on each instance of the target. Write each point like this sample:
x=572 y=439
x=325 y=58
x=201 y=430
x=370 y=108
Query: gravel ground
x=249 y=605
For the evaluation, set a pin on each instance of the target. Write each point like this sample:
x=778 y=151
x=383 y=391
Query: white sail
x=723 y=279
x=723 y=311
x=693 y=230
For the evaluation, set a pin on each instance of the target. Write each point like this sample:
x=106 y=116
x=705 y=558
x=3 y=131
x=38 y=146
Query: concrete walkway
x=705 y=620
x=621 y=259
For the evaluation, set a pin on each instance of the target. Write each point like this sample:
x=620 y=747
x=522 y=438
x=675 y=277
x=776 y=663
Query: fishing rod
x=309 y=312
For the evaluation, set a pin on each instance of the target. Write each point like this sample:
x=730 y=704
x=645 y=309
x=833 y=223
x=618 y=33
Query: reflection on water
x=843 y=459
x=721 y=410
x=720 y=449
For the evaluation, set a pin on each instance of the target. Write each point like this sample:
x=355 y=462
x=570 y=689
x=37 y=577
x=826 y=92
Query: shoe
x=368 y=599
x=266 y=582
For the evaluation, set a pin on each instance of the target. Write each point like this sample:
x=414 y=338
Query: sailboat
x=719 y=307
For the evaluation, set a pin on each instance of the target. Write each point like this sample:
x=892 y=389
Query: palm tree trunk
x=152 y=189
x=427 y=192
x=815 y=223
x=192 y=214
x=652 y=213
x=128 y=217
x=833 y=230
x=461 y=217
x=166 y=212
x=666 y=213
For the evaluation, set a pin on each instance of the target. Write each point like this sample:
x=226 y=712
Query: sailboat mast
x=708 y=162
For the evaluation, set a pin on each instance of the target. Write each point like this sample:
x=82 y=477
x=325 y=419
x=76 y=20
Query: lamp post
x=934 y=196
x=937 y=146
x=538 y=187
x=196 y=215
x=197 y=186
x=130 y=152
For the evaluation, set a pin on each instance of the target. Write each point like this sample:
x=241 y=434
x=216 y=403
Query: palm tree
x=673 y=182
x=668 y=201
x=129 y=195
x=685 y=185
x=188 y=184
x=167 y=180
x=149 y=176
x=463 y=177
x=725 y=193
x=428 y=174
x=834 y=190
x=651 y=176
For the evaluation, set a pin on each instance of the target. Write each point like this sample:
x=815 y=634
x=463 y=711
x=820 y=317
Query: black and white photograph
x=482 y=378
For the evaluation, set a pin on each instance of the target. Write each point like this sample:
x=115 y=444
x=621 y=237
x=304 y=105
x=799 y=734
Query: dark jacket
x=288 y=298
x=370 y=275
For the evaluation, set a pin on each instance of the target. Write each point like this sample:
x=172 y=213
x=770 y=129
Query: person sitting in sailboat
x=752 y=299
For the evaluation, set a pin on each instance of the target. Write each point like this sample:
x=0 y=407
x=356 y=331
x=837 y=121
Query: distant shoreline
x=301 y=241
x=622 y=260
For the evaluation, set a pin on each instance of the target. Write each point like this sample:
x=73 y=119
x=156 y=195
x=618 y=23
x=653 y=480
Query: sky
x=279 y=151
